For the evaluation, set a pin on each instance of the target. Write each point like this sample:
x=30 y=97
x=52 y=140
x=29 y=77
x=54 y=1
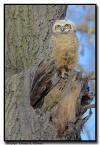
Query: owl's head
x=63 y=26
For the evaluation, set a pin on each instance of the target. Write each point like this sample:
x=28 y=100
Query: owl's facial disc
x=60 y=28
x=63 y=26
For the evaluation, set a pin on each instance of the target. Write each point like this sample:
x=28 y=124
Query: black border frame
x=96 y=75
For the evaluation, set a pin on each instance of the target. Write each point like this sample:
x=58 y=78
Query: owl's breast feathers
x=65 y=50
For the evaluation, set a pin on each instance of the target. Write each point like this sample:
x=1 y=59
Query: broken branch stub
x=42 y=82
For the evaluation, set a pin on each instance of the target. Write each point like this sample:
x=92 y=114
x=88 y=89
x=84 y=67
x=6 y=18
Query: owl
x=64 y=43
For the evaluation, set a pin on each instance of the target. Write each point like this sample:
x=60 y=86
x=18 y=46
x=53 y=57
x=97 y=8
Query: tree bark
x=34 y=96
x=49 y=119
x=27 y=32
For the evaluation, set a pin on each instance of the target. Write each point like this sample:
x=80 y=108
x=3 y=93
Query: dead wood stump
x=66 y=99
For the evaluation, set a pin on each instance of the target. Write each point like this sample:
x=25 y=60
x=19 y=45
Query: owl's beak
x=62 y=29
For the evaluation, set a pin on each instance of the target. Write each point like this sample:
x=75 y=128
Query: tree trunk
x=34 y=97
x=27 y=32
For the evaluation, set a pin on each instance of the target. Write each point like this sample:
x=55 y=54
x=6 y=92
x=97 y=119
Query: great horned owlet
x=65 y=45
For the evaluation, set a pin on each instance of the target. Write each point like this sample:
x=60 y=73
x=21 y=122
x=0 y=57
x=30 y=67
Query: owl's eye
x=68 y=26
x=58 y=27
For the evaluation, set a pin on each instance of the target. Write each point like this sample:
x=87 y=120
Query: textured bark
x=42 y=83
x=21 y=121
x=27 y=32
x=24 y=122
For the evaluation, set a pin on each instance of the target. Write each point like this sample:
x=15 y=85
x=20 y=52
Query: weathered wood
x=23 y=122
x=66 y=101
x=42 y=82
